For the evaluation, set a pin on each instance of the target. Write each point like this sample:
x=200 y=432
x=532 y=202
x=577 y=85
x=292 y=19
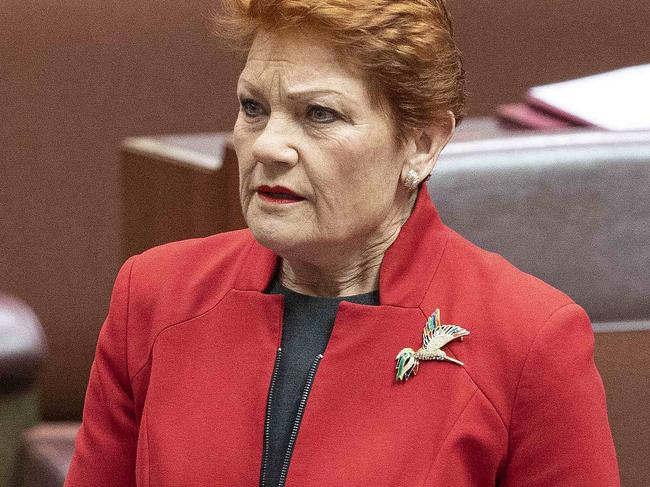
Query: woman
x=317 y=347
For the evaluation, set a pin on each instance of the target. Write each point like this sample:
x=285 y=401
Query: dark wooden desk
x=176 y=187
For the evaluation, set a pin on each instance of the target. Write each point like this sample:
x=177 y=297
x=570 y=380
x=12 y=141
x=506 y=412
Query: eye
x=251 y=108
x=321 y=114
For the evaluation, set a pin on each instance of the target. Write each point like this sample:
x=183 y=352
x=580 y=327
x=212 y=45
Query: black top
x=306 y=328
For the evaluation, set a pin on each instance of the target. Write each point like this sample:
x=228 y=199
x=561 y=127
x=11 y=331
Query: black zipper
x=267 y=419
x=296 y=423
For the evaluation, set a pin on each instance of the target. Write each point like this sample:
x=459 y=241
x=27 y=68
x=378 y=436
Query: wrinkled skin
x=306 y=122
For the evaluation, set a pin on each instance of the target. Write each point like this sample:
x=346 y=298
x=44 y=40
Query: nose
x=274 y=143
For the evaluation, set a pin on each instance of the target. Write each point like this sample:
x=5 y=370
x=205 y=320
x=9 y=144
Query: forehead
x=298 y=59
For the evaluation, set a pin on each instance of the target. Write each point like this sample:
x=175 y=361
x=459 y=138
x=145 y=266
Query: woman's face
x=306 y=124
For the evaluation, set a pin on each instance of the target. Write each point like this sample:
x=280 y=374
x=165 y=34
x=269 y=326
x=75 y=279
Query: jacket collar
x=409 y=264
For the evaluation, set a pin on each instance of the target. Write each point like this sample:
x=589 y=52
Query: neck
x=347 y=270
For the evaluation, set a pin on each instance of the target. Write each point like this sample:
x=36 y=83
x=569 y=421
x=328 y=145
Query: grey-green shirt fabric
x=306 y=328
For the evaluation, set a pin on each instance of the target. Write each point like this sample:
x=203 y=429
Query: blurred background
x=77 y=77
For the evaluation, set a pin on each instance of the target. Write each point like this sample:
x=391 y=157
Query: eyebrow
x=304 y=93
x=298 y=94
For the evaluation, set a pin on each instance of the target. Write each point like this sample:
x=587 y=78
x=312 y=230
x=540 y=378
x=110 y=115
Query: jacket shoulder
x=493 y=291
x=178 y=281
x=530 y=353
x=503 y=308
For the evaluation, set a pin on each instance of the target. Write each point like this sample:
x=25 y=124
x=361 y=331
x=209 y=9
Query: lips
x=278 y=194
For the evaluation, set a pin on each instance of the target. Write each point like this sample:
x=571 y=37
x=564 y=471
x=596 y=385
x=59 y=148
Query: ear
x=427 y=144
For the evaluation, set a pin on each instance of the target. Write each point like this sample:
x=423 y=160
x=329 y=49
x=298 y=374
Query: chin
x=274 y=235
x=279 y=231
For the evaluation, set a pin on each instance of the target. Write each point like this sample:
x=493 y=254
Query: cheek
x=349 y=162
x=242 y=145
x=357 y=190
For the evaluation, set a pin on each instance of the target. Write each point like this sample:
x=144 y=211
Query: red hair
x=404 y=48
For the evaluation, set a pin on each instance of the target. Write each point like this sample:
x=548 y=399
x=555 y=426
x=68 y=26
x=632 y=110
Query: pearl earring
x=411 y=179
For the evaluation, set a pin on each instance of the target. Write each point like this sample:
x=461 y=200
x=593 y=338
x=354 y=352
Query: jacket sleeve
x=559 y=432
x=105 y=446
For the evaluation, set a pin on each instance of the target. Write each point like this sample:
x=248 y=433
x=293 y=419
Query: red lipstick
x=278 y=194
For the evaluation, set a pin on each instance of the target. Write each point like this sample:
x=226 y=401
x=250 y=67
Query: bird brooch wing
x=436 y=335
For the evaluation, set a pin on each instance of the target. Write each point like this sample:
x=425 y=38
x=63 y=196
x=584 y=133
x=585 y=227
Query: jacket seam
x=435 y=271
x=245 y=256
x=146 y=425
x=487 y=398
x=444 y=250
x=153 y=342
x=166 y=327
x=523 y=367
x=478 y=387
x=126 y=325
x=451 y=429
x=433 y=274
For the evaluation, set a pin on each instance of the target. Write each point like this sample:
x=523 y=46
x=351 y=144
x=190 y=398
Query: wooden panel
x=511 y=45
x=177 y=187
x=77 y=77
x=623 y=359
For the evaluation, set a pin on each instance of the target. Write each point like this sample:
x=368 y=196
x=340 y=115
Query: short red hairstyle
x=404 y=49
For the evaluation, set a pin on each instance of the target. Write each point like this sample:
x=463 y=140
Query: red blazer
x=178 y=388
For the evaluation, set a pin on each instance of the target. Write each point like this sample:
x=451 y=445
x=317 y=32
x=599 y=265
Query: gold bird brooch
x=434 y=336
